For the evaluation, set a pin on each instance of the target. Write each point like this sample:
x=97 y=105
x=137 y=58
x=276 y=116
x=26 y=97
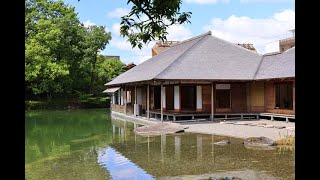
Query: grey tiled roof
x=151 y=68
x=206 y=57
x=215 y=59
x=280 y=65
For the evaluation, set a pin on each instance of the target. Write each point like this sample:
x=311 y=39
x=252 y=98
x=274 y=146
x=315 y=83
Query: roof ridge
x=233 y=44
x=182 y=54
x=259 y=65
x=187 y=40
x=193 y=38
x=272 y=53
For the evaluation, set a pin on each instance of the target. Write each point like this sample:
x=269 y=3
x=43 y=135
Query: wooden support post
x=135 y=106
x=148 y=97
x=161 y=99
x=249 y=97
x=212 y=103
x=119 y=96
x=125 y=99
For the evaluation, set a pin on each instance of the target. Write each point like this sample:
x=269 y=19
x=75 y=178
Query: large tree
x=62 y=55
x=51 y=44
x=96 y=39
x=106 y=71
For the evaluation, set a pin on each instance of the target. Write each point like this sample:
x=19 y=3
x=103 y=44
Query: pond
x=88 y=144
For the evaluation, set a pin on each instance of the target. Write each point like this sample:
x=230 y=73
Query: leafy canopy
x=149 y=20
x=159 y=15
x=61 y=54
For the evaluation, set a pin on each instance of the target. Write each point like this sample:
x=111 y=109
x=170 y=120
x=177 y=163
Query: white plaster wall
x=176 y=97
x=164 y=97
x=119 y=96
x=199 y=97
x=122 y=101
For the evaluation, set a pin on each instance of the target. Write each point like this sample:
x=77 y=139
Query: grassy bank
x=58 y=103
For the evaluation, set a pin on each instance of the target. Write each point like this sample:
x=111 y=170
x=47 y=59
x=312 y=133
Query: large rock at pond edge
x=160 y=128
x=223 y=142
x=259 y=141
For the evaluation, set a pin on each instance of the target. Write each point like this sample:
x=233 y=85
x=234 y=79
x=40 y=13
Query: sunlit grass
x=286 y=140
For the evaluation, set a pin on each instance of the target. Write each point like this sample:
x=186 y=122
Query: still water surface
x=88 y=144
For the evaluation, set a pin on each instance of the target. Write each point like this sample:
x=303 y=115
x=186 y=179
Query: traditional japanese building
x=206 y=77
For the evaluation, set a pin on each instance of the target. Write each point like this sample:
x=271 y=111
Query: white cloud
x=118 y=12
x=106 y=29
x=120 y=43
x=207 y=1
x=136 y=55
x=116 y=29
x=266 y=1
x=259 y=32
x=88 y=23
x=178 y=33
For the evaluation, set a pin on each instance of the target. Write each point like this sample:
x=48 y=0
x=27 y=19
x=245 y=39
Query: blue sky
x=259 y=22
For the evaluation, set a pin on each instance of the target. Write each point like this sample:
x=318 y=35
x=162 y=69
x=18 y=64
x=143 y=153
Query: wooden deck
x=176 y=116
x=199 y=116
x=284 y=116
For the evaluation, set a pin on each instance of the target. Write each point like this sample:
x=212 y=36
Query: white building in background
x=286 y=42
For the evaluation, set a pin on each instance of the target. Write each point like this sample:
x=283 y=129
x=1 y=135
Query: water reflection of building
x=199 y=146
x=177 y=146
x=186 y=154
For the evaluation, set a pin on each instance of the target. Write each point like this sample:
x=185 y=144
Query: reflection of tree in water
x=63 y=145
x=55 y=133
x=77 y=165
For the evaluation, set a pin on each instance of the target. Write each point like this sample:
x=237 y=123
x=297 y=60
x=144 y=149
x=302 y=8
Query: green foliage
x=61 y=54
x=110 y=69
x=160 y=14
x=31 y=105
x=52 y=43
x=83 y=101
x=96 y=39
x=106 y=71
x=53 y=104
x=89 y=101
